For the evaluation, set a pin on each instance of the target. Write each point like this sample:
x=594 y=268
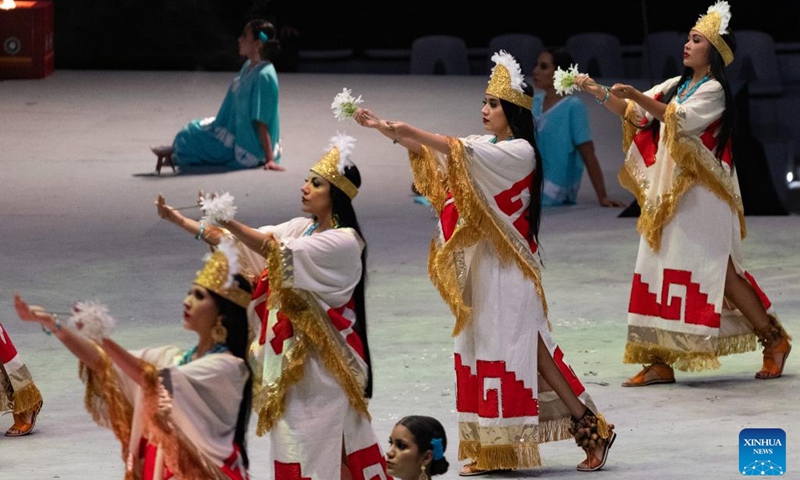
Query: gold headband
x=331 y=165
x=217 y=275
x=506 y=81
x=713 y=25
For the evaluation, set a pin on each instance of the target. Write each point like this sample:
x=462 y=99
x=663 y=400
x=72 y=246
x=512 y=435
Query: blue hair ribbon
x=263 y=37
x=438 y=448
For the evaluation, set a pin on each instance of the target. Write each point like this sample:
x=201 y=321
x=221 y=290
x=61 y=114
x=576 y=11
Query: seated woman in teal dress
x=564 y=137
x=246 y=131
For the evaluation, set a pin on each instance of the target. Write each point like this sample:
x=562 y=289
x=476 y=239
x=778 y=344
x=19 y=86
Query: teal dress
x=230 y=139
x=559 y=132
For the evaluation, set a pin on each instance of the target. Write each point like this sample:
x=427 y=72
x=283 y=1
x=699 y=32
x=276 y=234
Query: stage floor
x=78 y=223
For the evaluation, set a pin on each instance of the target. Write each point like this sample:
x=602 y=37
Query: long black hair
x=234 y=319
x=717 y=65
x=424 y=430
x=269 y=48
x=345 y=216
x=520 y=120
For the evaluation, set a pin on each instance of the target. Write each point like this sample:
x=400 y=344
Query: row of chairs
x=600 y=55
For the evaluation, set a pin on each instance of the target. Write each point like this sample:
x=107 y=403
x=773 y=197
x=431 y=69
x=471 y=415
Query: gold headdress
x=331 y=166
x=507 y=79
x=218 y=272
x=714 y=24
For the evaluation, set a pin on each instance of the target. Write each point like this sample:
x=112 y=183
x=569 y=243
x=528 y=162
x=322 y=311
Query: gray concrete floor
x=78 y=223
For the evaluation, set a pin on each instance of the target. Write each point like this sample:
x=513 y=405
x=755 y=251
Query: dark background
x=201 y=34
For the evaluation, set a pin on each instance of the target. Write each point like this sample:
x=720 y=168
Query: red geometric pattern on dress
x=761 y=295
x=693 y=306
x=368 y=464
x=260 y=296
x=517 y=400
x=233 y=467
x=7 y=348
x=710 y=141
x=509 y=202
x=449 y=217
x=289 y=471
x=148 y=451
x=283 y=330
x=642 y=301
x=697 y=309
x=466 y=388
x=343 y=318
x=569 y=374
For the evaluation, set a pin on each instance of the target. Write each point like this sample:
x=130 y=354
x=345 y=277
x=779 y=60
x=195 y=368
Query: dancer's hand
x=610 y=202
x=366 y=118
x=166 y=211
x=621 y=90
x=31 y=313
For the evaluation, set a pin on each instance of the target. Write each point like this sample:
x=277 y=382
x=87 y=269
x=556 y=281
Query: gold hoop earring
x=219 y=333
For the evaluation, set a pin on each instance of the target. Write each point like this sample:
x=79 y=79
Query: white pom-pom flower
x=564 y=80
x=91 y=319
x=517 y=79
x=228 y=247
x=218 y=207
x=344 y=106
x=722 y=9
x=345 y=144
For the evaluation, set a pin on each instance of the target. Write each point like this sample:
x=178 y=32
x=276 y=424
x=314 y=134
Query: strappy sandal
x=775 y=342
x=590 y=432
x=20 y=427
x=658 y=373
x=469 y=470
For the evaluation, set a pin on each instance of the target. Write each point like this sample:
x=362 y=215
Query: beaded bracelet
x=56 y=326
x=605 y=100
x=199 y=236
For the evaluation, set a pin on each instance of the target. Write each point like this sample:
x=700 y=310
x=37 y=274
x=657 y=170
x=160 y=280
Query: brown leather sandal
x=651 y=375
x=592 y=432
x=21 y=427
x=776 y=343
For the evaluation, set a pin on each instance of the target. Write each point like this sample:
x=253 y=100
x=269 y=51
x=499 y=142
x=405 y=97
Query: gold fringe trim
x=476 y=222
x=26 y=398
x=495 y=457
x=106 y=403
x=180 y=454
x=468 y=449
x=271 y=399
x=696 y=164
x=629 y=126
x=689 y=361
x=306 y=316
x=602 y=426
x=429 y=179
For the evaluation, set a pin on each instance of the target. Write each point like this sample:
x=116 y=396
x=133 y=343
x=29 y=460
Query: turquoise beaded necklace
x=187 y=357
x=681 y=97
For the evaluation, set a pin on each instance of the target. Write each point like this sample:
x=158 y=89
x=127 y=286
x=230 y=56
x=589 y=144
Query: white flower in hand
x=91 y=319
x=564 y=80
x=218 y=207
x=344 y=106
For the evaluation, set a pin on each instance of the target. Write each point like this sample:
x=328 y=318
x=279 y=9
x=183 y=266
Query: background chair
x=525 y=47
x=663 y=55
x=439 y=55
x=597 y=53
x=755 y=61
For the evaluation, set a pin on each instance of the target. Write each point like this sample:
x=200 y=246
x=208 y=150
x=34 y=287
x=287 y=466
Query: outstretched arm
x=602 y=94
x=83 y=348
x=406 y=135
x=252 y=238
x=201 y=230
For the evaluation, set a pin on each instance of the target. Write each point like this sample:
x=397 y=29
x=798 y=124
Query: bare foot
x=273 y=166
